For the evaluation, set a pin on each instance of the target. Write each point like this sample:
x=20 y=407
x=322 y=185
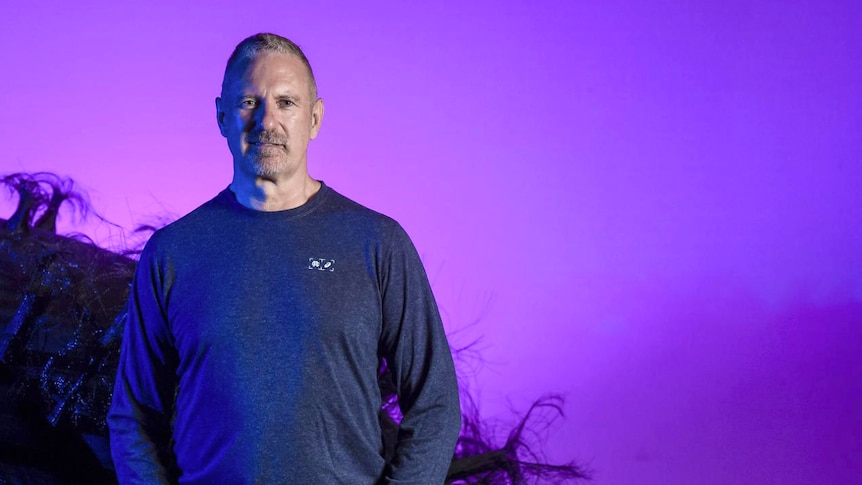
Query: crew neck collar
x=309 y=206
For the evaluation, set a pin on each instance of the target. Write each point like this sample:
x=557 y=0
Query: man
x=258 y=321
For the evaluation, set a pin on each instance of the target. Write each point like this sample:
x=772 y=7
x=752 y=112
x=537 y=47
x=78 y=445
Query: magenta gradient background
x=651 y=207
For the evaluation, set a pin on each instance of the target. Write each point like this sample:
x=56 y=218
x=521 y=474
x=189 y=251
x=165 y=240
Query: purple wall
x=652 y=207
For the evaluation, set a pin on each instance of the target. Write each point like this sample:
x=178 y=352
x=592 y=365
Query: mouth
x=265 y=143
x=262 y=144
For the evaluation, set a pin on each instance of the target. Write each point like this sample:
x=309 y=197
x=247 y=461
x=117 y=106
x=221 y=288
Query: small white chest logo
x=321 y=264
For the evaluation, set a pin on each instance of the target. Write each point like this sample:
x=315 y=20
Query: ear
x=220 y=116
x=316 y=117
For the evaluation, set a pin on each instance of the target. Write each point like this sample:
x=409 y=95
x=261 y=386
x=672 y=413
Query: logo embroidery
x=321 y=264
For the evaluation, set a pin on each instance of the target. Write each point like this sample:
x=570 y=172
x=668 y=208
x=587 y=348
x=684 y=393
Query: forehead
x=269 y=70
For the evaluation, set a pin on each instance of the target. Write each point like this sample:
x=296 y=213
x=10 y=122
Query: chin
x=268 y=168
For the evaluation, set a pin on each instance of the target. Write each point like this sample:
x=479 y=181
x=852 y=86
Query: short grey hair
x=251 y=47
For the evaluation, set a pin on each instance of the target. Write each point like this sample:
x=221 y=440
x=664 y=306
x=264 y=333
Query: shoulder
x=360 y=219
x=190 y=226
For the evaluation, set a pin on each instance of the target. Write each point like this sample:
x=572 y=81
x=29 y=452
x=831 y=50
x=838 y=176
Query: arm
x=416 y=350
x=140 y=413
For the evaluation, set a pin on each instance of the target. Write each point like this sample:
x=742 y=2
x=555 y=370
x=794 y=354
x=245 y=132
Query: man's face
x=268 y=116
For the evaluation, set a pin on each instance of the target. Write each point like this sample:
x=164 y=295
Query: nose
x=265 y=115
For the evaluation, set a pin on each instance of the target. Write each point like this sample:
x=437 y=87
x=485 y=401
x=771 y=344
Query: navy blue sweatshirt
x=252 y=348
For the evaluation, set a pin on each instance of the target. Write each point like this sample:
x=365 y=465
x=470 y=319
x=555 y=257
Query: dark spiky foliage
x=479 y=459
x=59 y=301
x=40 y=197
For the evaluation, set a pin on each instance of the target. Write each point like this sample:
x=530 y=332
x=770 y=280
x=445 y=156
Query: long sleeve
x=416 y=350
x=140 y=413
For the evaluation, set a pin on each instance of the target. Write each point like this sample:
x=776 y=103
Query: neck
x=269 y=195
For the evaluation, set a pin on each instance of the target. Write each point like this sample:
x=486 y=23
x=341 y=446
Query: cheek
x=238 y=121
x=235 y=136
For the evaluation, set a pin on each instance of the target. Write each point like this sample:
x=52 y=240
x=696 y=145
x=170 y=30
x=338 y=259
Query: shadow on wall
x=711 y=380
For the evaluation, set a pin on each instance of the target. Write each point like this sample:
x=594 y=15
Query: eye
x=248 y=103
x=285 y=103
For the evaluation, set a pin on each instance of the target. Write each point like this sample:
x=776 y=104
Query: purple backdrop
x=651 y=207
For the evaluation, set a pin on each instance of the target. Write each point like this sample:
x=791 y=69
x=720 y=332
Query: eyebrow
x=288 y=97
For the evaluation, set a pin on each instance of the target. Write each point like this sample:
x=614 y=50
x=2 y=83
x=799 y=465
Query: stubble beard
x=268 y=162
x=269 y=167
